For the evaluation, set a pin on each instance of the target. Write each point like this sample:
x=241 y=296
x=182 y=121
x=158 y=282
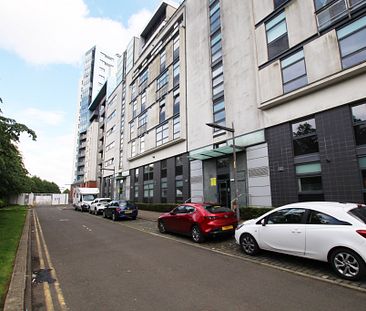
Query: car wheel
x=249 y=244
x=197 y=235
x=104 y=214
x=161 y=227
x=96 y=212
x=114 y=217
x=347 y=264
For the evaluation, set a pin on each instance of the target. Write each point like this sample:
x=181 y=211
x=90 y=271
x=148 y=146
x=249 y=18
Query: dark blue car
x=121 y=209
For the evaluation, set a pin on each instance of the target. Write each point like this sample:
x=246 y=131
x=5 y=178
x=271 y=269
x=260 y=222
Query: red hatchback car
x=198 y=220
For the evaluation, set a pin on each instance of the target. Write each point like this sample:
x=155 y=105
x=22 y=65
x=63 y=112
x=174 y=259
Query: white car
x=98 y=205
x=326 y=231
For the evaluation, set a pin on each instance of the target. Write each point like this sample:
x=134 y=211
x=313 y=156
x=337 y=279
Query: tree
x=13 y=174
x=66 y=191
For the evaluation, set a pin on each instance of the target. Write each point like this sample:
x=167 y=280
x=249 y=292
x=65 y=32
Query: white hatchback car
x=98 y=205
x=325 y=231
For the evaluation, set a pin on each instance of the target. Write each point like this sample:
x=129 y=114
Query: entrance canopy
x=241 y=142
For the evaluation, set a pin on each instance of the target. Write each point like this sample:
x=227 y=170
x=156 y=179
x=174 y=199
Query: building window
x=176 y=73
x=162 y=111
x=164 y=181
x=309 y=182
x=176 y=47
x=143 y=79
x=148 y=183
x=142 y=123
x=176 y=102
x=109 y=162
x=219 y=111
x=134 y=109
x=294 y=72
x=277 y=38
x=143 y=101
x=176 y=127
x=133 y=91
x=352 y=43
x=216 y=47
x=162 y=134
x=362 y=164
x=329 y=11
x=162 y=85
x=133 y=148
x=305 y=139
x=111 y=116
x=359 y=123
x=142 y=144
x=136 y=185
x=179 y=179
x=162 y=60
x=110 y=146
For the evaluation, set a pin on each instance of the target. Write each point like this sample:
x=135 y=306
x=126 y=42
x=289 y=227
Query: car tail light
x=362 y=233
x=212 y=217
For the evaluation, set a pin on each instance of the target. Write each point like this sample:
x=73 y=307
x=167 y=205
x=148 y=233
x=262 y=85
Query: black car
x=121 y=209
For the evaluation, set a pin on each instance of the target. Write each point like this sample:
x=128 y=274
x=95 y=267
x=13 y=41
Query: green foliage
x=11 y=225
x=252 y=212
x=66 y=191
x=2 y=203
x=38 y=185
x=156 y=207
x=13 y=174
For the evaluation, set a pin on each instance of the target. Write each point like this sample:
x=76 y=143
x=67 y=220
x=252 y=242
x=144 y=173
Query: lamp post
x=114 y=172
x=232 y=131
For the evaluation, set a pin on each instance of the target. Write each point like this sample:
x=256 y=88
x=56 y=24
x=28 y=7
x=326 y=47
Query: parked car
x=97 y=206
x=198 y=220
x=326 y=231
x=120 y=209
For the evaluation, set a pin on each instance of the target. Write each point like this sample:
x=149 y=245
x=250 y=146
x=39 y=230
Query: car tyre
x=114 y=217
x=104 y=214
x=249 y=245
x=161 y=227
x=197 y=235
x=347 y=264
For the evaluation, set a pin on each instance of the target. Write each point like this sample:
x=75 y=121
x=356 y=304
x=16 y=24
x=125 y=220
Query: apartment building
x=285 y=78
x=97 y=68
x=156 y=152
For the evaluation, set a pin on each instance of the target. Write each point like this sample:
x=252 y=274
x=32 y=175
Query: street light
x=232 y=131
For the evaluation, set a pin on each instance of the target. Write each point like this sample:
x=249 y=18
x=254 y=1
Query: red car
x=198 y=220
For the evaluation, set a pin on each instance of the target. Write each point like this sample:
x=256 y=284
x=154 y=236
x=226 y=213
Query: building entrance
x=223 y=186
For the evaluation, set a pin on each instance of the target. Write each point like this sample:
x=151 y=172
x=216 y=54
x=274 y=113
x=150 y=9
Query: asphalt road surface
x=95 y=264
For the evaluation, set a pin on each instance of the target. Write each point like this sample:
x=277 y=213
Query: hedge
x=245 y=212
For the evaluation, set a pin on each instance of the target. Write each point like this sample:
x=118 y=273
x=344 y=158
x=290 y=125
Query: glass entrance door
x=224 y=192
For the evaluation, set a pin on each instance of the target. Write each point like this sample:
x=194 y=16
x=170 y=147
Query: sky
x=42 y=43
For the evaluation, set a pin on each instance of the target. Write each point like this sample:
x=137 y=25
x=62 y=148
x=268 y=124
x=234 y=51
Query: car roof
x=103 y=199
x=323 y=206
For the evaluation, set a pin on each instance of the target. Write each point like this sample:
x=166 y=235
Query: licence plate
x=128 y=212
x=227 y=228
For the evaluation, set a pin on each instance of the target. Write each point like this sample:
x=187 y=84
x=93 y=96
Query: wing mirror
x=172 y=213
x=263 y=222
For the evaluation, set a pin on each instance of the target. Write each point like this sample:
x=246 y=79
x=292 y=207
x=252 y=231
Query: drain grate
x=41 y=276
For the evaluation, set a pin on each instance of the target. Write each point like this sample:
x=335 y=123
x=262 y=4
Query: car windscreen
x=89 y=197
x=216 y=209
x=122 y=203
x=359 y=213
x=104 y=201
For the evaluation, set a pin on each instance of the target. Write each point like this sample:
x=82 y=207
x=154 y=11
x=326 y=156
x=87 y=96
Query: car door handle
x=295 y=231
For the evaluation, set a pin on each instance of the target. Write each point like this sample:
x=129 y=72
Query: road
x=103 y=265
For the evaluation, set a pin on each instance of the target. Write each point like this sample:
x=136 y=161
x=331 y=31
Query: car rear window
x=216 y=209
x=359 y=212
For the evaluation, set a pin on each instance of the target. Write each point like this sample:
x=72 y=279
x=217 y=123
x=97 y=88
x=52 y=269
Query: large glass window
x=176 y=47
x=278 y=3
x=294 y=72
x=179 y=179
x=142 y=144
x=352 y=43
x=162 y=111
x=329 y=11
x=359 y=123
x=164 y=181
x=143 y=101
x=133 y=148
x=162 y=60
x=176 y=102
x=148 y=183
x=162 y=134
x=305 y=139
x=309 y=181
x=136 y=183
x=176 y=74
x=277 y=37
x=176 y=127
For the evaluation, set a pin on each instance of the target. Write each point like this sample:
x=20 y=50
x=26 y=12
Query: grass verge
x=11 y=225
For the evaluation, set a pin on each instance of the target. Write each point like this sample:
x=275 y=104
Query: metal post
x=235 y=203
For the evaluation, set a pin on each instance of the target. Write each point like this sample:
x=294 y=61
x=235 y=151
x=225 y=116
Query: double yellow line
x=45 y=261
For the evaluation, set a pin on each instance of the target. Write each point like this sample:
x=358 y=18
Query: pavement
x=148 y=215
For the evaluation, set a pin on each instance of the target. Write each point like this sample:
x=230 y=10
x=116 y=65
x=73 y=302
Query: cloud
x=49 y=158
x=46 y=117
x=60 y=31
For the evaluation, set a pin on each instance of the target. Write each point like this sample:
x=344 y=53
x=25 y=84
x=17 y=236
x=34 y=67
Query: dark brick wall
x=281 y=165
x=340 y=170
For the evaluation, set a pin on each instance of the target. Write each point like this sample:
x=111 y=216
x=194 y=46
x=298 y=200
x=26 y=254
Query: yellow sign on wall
x=213 y=182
